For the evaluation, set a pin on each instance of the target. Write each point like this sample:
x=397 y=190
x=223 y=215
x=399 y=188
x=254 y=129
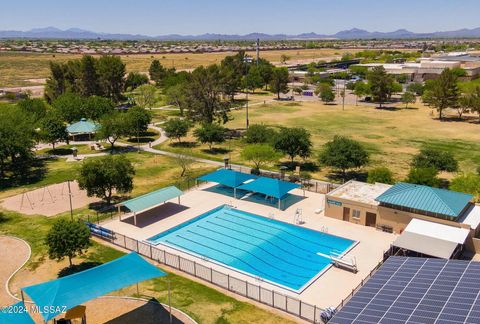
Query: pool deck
x=328 y=290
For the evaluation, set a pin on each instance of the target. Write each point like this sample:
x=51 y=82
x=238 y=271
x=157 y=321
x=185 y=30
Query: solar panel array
x=417 y=290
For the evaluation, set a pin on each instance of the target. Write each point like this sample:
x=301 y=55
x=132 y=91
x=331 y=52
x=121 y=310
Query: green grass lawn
x=67 y=150
x=392 y=136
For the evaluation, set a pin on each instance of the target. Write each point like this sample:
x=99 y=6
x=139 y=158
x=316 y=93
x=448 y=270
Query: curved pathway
x=14 y=253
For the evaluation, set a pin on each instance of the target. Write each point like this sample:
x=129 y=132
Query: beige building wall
x=385 y=216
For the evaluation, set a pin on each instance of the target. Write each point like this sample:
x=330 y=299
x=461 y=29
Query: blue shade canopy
x=17 y=313
x=227 y=177
x=424 y=198
x=65 y=293
x=271 y=187
x=83 y=126
x=152 y=199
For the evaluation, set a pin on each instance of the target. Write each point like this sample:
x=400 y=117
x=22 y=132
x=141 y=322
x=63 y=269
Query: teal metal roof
x=17 y=313
x=227 y=177
x=65 y=293
x=84 y=126
x=271 y=187
x=152 y=199
x=424 y=198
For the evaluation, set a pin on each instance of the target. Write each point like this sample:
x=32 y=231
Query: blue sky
x=157 y=17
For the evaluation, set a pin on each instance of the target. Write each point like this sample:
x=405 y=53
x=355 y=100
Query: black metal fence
x=244 y=288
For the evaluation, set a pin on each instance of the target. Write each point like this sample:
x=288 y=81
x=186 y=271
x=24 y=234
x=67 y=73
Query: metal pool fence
x=244 y=288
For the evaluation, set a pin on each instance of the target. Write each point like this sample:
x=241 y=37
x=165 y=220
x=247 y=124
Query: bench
x=100 y=231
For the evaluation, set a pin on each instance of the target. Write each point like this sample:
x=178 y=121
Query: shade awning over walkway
x=152 y=199
x=431 y=238
x=65 y=293
x=17 y=313
x=270 y=187
x=227 y=177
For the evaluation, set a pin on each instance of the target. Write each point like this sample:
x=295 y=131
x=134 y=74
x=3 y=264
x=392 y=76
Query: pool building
x=421 y=214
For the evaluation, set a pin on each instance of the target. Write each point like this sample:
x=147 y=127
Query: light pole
x=246 y=60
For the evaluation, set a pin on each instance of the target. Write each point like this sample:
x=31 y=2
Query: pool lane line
x=253 y=255
x=268 y=242
x=276 y=235
x=258 y=247
x=264 y=275
x=262 y=222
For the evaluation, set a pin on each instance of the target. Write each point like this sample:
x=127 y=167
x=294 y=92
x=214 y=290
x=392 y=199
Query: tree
x=472 y=100
x=343 y=153
x=259 y=154
x=380 y=84
x=55 y=84
x=284 y=58
x=468 y=183
x=88 y=76
x=232 y=70
x=360 y=90
x=202 y=96
x=145 y=96
x=157 y=72
x=294 y=142
x=177 y=128
x=265 y=69
x=102 y=176
x=112 y=127
x=137 y=120
x=440 y=160
x=423 y=176
x=408 y=97
x=253 y=79
x=95 y=107
x=135 y=79
x=111 y=73
x=325 y=92
x=464 y=105
x=17 y=134
x=176 y=96
x=210 y=134
x=53 y=129
x=380 y=174
x=184 y=160
x=67 y=238
x=416 y=87
x=36 y=108
x=444 y=92
x=258 y=134
x=279 y=81
x=69 y=106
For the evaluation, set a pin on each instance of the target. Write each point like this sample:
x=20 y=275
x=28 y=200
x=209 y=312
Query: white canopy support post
x=235 y=193
x=279 y=204
x=179 y=200
x=135 y=218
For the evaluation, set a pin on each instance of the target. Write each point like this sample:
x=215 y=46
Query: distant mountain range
x=354 y=33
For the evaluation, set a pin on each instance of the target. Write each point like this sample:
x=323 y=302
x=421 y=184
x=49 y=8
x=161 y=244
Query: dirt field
x=28 y=69
x=49 y=200
x=16 y=252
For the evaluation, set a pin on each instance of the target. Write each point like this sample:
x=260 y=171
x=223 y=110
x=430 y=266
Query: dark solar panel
x=417 y=290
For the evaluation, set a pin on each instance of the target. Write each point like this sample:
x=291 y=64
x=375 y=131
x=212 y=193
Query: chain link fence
x=244 y=288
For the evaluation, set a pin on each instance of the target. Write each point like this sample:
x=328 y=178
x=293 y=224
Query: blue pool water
x=281 y=253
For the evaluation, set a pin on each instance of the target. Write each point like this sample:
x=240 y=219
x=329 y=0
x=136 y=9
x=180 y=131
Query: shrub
x=423 y=176
x=380 y=174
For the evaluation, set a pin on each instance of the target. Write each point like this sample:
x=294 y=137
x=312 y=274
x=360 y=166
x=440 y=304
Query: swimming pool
x=280 y=253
